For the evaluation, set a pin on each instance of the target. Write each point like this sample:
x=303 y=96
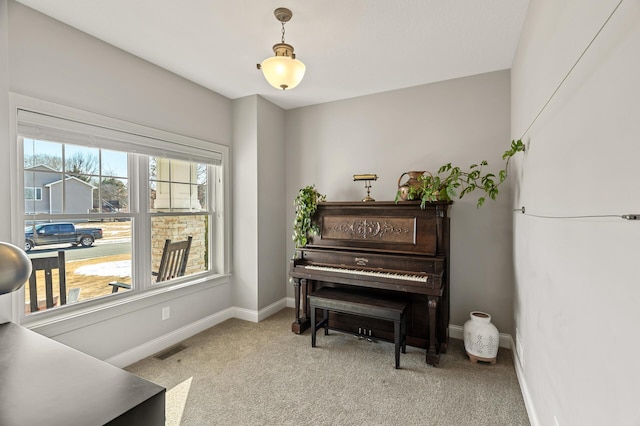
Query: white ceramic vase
x=481 y=338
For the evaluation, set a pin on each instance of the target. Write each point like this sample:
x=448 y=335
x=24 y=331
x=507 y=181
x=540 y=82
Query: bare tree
x=53 y=161
x=82 y=165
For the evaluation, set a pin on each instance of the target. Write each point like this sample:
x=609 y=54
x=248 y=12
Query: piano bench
x=365 y=305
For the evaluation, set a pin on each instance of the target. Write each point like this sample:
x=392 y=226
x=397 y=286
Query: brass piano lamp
x=367 y=178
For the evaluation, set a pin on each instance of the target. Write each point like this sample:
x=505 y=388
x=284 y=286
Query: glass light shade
x=283 y=72
x=15 y=268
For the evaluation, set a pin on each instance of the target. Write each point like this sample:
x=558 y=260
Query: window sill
x=69 y=318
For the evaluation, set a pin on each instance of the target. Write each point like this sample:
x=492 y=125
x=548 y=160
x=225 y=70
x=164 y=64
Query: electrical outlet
x=520 y=348
x=166 y=313
x=555 y=421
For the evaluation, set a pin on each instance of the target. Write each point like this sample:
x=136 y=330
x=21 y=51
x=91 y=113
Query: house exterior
x=43 y=189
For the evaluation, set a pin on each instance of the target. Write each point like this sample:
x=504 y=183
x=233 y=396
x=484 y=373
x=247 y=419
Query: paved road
x=101 y=249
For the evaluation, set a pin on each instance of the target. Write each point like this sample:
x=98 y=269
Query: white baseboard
x=257 y=316
x=156 y=345
x=506 y=341
x=245 y=314
x=528 y=402
x=273 y=308
x=291 y=302
x=456 y=332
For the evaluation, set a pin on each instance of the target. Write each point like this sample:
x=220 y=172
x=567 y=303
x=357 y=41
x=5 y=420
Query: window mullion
x=139 y=204
x=63 y=183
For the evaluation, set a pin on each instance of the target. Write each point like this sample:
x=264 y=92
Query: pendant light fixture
x=283 y=71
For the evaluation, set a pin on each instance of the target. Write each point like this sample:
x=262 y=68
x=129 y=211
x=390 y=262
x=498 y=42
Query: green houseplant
x=306 y=203
x=451 y=180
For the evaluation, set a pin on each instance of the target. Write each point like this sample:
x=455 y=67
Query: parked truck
x=59 y=233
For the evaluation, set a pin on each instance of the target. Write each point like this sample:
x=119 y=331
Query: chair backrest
x=174 y=259
x=48 y=265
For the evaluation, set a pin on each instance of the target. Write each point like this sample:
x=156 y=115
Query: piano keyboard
x=395 y=276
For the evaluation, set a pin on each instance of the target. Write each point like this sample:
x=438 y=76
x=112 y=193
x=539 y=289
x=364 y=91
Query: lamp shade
x=283 y=72
x=15 y=268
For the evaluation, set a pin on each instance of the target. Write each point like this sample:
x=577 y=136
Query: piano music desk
x=340 y=300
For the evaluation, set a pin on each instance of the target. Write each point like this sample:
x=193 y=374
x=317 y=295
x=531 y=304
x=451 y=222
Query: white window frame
x=96 y=310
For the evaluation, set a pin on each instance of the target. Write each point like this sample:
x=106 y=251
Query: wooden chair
x=48 y=265
x=174 y=260
x=173 y=263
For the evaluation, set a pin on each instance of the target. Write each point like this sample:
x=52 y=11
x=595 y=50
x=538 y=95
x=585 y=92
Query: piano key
x=406 y=277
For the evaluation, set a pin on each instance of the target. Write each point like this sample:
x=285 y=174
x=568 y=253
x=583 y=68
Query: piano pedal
x=365 y=334
x=370 y=338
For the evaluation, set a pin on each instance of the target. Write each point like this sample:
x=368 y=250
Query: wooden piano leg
x=433 y=356
x=301 y=323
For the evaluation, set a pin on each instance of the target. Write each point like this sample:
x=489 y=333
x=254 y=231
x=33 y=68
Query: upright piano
x=392 y=250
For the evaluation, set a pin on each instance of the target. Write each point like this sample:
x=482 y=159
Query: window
x=31 y=193
x=179 y=205
x=97 y=193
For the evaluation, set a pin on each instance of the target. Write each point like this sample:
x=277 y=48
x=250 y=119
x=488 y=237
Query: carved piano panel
x=385 y=226
x=394 y=250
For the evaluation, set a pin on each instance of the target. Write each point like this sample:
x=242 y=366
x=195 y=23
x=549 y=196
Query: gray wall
x=462 y=121
x=259 y=203
x=272 y=204
x=245 y=196
x=5 y=160
x=53 y=62
x=577 y=294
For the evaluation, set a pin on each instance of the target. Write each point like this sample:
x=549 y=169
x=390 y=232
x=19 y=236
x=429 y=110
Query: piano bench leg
x=403 y=334
x=326 y=322
x=397 y=327
x=313 y=327
x=400 y=337
x=316 y=325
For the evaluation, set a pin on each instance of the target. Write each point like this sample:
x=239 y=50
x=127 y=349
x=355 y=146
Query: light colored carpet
x=243 y=373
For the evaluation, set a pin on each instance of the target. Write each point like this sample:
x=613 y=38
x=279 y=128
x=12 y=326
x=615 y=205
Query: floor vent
x=170 y=351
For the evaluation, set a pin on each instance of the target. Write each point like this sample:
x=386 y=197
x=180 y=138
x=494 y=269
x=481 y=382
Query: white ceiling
x=351 y=48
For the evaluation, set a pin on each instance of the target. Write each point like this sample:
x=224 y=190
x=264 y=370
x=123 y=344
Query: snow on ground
x=121 y=268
